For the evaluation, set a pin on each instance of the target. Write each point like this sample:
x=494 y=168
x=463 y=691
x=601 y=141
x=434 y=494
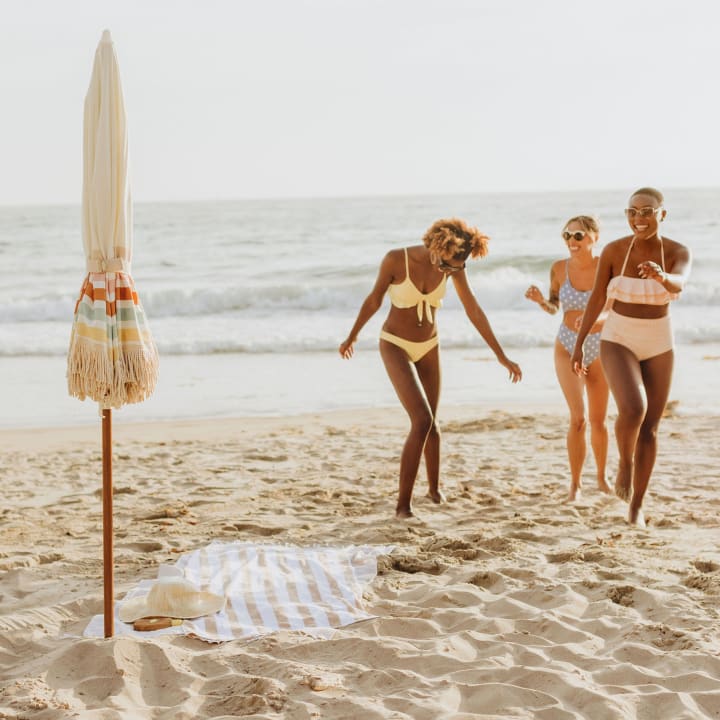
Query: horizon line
x=359 y=196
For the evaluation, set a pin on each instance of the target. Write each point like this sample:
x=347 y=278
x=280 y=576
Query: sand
x=505 y=602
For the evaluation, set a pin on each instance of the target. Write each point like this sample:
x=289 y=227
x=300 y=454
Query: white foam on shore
x=242 y=385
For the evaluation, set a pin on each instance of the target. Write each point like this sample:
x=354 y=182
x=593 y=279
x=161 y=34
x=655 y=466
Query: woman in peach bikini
x=641 y=273
x=409 y=344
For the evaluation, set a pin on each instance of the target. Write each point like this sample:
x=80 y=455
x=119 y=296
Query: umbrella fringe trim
x=92 y=374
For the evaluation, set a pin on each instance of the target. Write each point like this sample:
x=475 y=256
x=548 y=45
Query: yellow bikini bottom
x=414 y=350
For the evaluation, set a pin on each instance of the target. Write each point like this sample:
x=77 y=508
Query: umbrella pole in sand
x=107 y=369
x=107 y=495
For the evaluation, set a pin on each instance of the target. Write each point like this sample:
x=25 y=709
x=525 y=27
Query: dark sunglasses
x=446 y=267
x=577 y=236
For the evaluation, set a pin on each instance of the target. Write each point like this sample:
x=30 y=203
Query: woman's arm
x=673 y=281
x=552 y=304
x=479 y=320
x=371 y=304
x=599 y=321
x=596 y=303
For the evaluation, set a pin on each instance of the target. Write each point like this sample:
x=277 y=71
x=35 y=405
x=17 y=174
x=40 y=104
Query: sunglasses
x=577 y=236
x=644 y=212
x=447 y=268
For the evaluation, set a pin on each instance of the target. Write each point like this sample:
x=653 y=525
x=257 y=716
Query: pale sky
x=283 y=98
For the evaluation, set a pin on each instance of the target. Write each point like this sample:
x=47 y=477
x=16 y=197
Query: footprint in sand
x=410 y=564
x=266 y=458
x=259 y=697
x=622 y=595
x=142 y=547
x=705 y=566
x=665 y=637
x=488 y=580
x=256 y=529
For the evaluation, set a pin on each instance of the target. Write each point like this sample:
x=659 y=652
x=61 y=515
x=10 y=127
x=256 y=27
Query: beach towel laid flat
x=266 y=587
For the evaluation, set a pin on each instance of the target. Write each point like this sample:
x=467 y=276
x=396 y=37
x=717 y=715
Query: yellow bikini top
x=640 y=291
x=406 y=294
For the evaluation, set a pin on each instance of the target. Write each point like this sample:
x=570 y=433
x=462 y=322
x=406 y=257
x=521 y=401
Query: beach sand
x=505 y=602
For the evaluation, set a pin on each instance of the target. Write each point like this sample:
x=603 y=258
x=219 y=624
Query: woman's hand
x=346 y=349
x=576 y=362
x=651 y=270
x=513 y=369
x=533 y=293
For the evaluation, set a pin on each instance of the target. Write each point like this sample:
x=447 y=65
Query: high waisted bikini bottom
x=644 y=337
x=414 y=350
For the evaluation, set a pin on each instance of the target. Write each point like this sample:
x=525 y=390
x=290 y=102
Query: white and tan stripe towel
x=269 y=587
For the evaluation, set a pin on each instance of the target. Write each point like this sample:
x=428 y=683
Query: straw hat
x=172 y=597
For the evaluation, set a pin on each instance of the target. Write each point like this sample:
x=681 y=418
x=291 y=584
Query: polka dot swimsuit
x=572 y=299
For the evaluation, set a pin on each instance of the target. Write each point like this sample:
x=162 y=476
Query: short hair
x=455 y=238
x=589 y=223
x=652 y=192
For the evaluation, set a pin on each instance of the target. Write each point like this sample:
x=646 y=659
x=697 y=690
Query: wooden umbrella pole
x=107 y=495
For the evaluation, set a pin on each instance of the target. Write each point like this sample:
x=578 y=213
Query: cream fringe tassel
x=92 y=374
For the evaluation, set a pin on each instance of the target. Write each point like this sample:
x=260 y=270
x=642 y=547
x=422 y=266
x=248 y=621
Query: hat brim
x=176 y=598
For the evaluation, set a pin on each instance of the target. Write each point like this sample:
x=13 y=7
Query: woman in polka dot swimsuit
x=571 y=281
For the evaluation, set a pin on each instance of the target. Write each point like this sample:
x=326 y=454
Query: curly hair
x=454 y=238
x=589 y=223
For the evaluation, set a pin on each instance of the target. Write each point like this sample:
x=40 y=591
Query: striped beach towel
x=270 y=587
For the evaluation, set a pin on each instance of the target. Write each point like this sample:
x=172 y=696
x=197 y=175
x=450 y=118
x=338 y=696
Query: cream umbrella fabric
x=112 y=358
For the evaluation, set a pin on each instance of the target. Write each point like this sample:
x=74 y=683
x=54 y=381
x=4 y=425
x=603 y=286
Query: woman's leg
x=411 y=395
x=597 y=393
x=656 y=376
x=428 y=368
x=572 y=387
x=622 y=370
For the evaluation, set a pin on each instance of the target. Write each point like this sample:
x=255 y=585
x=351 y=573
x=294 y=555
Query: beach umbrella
x=112 y=357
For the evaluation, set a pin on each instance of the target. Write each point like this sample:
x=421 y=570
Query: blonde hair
x=454 y=238
x=589 y=223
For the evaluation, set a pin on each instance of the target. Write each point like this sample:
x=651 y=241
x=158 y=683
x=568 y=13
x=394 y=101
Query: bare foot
x=438 y=497
x=404 y=513
x=604 y=487
x=622 y=486
x=636 y=518
x=574 y=493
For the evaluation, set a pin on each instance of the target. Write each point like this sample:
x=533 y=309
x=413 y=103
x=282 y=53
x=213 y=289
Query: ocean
x=248 y=300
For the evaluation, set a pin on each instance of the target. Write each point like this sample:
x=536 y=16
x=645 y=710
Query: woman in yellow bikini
x=409 y=337
x=641 y=273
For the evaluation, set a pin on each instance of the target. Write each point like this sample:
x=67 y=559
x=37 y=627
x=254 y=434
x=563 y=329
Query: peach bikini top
x=406 y=295
x=640 y=291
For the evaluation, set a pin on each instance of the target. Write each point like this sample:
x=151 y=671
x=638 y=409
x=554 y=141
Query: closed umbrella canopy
x=112 y=358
